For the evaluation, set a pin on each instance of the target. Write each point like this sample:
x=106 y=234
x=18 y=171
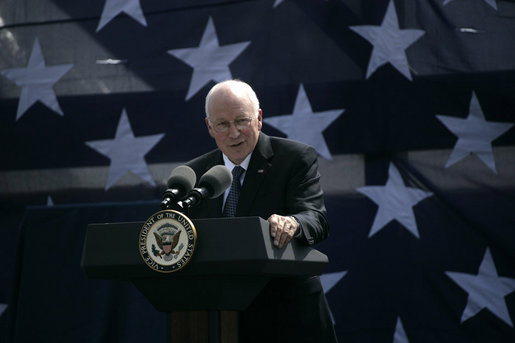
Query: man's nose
x=233 y=130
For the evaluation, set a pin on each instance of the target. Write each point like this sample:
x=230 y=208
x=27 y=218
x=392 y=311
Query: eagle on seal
x=167 y=241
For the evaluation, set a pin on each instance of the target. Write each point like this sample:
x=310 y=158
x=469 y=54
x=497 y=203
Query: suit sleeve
x=305 y=198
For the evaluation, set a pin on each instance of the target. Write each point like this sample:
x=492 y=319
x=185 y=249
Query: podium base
x=202 y=327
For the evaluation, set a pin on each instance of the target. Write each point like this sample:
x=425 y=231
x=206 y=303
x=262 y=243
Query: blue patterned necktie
x=234 y=193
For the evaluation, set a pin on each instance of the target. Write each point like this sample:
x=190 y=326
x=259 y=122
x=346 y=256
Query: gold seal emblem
x=167 y=241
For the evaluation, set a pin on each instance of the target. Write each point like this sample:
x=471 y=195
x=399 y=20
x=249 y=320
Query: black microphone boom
x=180 y=183
x=211 y=185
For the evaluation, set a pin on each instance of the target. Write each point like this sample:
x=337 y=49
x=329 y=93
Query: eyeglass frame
x=247 y=120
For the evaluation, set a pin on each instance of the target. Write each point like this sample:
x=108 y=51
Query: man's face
x=235 y=113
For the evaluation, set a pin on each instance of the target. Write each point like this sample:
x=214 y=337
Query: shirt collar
x=230 y=165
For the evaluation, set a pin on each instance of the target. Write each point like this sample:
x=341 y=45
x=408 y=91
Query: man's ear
x=260 y=119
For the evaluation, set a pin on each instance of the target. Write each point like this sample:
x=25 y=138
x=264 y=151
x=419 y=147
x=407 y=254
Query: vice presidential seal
x=167 y=241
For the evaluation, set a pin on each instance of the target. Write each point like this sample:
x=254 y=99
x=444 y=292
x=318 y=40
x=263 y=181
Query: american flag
x=410 y=104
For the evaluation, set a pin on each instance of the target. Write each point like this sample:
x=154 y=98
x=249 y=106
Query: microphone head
x=216 y=180
x=183 y=179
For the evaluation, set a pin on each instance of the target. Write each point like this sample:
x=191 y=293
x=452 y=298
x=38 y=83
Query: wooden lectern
x=234 y=259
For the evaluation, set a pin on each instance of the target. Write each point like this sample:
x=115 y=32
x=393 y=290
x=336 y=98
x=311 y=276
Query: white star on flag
x=37 y=81
x=127 y=153
x=390 y=42
x=329 y=280
x=485 y=290
x=399 y=335
x=114 y=7
x=475 y=135
x=210 y=61
x=395 y=201
x=489 y=2
x=304 y=125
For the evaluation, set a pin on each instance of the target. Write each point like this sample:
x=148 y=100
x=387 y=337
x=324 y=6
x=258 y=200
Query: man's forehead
x=219 y=119
x=229 y=105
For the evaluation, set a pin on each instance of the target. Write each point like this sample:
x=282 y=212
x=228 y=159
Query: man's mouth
x=236 y=145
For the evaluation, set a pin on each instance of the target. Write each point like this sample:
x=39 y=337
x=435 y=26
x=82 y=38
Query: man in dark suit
x=278 y=181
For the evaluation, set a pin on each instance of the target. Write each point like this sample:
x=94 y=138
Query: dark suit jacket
x=282 y=178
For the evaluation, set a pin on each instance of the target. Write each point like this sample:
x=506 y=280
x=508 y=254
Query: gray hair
x=236 y=86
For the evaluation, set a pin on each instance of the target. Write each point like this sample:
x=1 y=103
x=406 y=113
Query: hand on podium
x=282 y=229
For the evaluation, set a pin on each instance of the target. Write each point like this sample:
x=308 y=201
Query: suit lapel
x=258 y=167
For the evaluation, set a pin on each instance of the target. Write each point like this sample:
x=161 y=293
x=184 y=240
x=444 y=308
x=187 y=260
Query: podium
x=234 y=259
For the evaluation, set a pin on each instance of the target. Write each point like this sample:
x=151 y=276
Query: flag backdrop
x=410 y=104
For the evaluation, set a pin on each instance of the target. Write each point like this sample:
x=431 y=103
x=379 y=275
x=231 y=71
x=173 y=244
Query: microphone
x=180 y=183
x=211 y=185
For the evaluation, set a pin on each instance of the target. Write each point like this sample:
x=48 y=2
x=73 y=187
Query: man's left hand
x=282 y=229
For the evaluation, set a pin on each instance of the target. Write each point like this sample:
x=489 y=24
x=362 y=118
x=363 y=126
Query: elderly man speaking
x=276 y=179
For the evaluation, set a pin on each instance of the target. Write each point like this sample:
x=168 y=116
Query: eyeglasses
x=240 y=124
